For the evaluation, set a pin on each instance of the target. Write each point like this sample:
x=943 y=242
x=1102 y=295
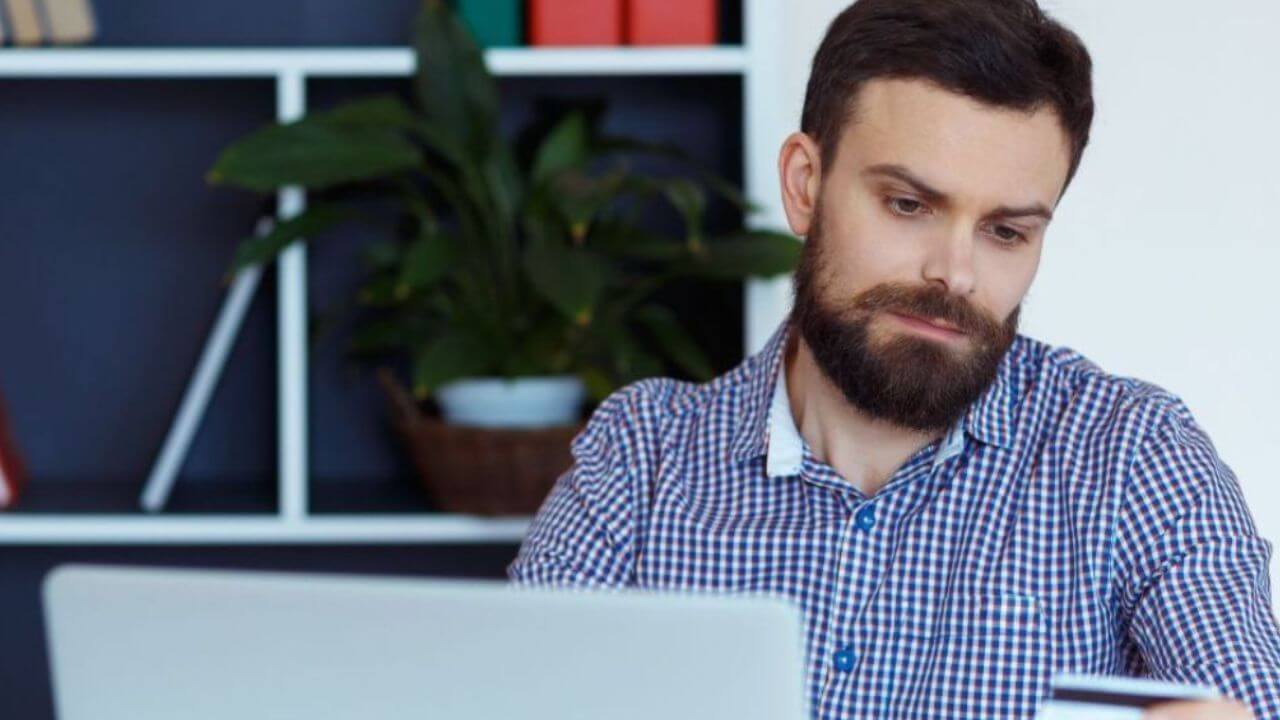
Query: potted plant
x=516 y=286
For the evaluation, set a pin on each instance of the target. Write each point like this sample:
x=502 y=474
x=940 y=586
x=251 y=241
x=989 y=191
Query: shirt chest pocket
x=990 y=647
x=992 y=613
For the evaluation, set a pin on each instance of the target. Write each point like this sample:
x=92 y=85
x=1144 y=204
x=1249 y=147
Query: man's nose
x=950 y=261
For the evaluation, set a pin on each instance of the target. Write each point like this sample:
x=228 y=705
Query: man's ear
x=800 y=175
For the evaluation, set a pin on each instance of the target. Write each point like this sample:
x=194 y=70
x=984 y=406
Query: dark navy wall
x=112 y=252
x=110 y=264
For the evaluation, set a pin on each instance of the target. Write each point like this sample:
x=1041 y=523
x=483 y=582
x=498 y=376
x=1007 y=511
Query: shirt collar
x=990 y=419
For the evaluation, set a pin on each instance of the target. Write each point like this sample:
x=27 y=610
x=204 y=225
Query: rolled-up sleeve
x=1193 y=572
x=582 y=536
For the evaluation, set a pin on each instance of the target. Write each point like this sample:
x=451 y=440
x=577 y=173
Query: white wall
x=1162 y=258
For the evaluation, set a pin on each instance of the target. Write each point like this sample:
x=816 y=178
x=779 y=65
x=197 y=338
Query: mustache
x=927 y=302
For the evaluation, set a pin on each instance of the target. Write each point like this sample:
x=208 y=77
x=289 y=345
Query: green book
x=495 y=23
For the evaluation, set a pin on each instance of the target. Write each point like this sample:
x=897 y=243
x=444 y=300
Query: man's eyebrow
x=1005 y=212
x=936 y=196
x=901 y=173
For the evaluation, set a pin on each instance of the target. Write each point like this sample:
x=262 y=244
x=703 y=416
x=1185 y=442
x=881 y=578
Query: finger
x=1198 y=710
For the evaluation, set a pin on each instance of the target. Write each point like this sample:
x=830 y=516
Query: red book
x=671 y=22
x=575 y=22
x=12 y=473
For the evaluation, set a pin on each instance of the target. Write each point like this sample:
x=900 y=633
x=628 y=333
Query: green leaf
x=501 y=186
x=627 y=240
x=566 y=146
x=578 y=197
x=307 y=224
x=380 y=291
x=690 y=201
x=385 y=111
x=313 y=154
x=570 y=278
x=416 y=205
x=752 y=253
x=543 y=348
x=540 y=219
x=377 y=336
x=381 y=256
x=445 y=145
x=676 y=343
x=463 y=206
x=598 y=383
x=427 y=259
x=616 y=144
x=728 y=190
x=453 y=354
x=631 y=360
x=455 y=91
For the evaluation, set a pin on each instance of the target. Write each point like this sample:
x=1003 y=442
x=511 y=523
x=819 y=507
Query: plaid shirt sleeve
x=1192 y=571
x=582 y=535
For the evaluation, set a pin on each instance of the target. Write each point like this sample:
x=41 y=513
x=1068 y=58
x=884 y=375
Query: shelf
x=106 y=511
x=356 y=62
x=257 y=529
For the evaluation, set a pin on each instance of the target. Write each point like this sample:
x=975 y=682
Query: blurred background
x=116 y=253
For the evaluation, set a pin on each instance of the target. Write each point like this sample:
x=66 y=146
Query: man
x=960 y=511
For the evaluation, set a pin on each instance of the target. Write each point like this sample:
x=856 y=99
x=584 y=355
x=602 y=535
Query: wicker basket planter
x=483 y=471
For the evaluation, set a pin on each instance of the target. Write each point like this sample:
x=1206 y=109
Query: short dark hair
x=1006 y=53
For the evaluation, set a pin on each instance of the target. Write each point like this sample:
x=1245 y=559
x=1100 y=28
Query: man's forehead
x=956 y=141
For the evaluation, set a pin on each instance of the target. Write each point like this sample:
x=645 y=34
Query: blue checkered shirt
x=1071 y=520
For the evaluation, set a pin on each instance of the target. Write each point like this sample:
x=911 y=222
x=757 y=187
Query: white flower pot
x=525 y=402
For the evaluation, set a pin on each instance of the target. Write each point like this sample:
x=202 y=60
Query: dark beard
x=907 y=380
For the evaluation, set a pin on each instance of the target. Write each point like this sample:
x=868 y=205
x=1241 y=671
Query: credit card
x=1077 y=696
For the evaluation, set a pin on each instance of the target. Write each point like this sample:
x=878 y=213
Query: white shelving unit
x=756 y=61
x=81 y=529
x=357 y=62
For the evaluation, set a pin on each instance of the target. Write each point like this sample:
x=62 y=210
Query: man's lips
x=936 y=325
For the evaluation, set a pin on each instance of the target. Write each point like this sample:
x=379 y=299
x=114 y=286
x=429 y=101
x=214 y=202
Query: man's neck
x=865 y=451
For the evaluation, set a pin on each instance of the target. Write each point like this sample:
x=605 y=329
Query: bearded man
x=960 y=511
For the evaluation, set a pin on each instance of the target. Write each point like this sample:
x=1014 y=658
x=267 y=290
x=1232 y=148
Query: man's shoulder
x=652 y=406
x=1090 y=398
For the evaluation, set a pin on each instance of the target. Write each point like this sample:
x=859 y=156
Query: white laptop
x=131 y=643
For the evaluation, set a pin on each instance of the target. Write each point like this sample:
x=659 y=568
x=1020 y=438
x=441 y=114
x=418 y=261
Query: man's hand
x=1199 y=710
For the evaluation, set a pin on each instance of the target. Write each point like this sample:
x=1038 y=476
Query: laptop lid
x=153 y=643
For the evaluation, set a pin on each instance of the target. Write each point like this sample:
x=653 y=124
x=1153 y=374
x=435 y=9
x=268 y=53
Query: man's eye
x=904 y=206
x=1011 y=238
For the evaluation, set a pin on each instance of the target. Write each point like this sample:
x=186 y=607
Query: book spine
x=25 y=21
x=575 y=22
x=70 y=22
x=7 y=494
x=12 y=472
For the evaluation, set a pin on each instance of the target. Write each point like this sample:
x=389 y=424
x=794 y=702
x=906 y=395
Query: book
x=494 y=23
x=70 y=22
x=672 y=22
x=12 y=472
x=24 y=21
x=575 y=22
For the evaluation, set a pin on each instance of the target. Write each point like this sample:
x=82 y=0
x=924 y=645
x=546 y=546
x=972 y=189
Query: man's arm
x=583 y=536
x=1193 y=572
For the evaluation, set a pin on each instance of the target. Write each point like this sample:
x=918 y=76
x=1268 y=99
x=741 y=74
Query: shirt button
x=866 y=517
x=844 y=660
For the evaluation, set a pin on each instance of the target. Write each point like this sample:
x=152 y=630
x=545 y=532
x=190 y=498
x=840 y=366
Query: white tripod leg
x=208 y=371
